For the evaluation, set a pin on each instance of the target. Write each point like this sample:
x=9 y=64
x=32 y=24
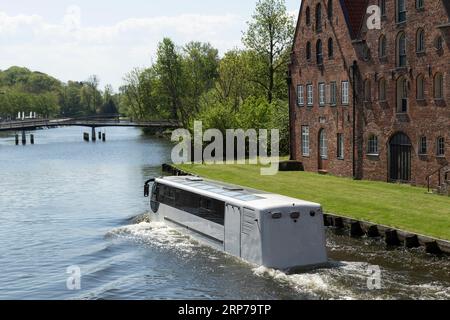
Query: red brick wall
x=429 y=117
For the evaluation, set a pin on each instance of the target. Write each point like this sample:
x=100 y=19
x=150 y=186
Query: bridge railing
x=92 y=122
x=25 y=124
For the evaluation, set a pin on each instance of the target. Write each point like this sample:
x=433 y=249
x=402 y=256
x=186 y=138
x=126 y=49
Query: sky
x=72 y=40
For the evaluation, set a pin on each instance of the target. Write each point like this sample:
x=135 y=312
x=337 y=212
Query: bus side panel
x=198 y=227
x=251 y=236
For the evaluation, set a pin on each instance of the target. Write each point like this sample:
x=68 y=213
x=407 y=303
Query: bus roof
x=233 y=194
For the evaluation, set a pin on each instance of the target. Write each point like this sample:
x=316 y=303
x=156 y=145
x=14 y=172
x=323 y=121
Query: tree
x=109 y=101
x=94 y=96
x=45 y=104
x=200 y=62
x=138 y=97
x=270 y=35
x=70 y=99
x=234 y=80
x=169 y=70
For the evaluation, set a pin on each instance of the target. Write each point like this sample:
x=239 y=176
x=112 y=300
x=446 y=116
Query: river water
x=65 y=202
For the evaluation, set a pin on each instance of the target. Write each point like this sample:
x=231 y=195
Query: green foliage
x=270 y=35
x=27 y=91
x=244 y=89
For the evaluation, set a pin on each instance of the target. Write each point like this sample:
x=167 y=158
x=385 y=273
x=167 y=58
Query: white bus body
x=262 y=228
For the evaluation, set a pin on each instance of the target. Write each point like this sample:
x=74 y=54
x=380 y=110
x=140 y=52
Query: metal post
x=291 y=118
x=99 y=135
x=104 y=137
x=24 y=138
x=17 y=139
x=354 y=66
x=94 y=137
x=32 y=138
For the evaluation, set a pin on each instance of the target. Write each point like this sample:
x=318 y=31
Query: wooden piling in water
x=355 y=230
x=94 y=137
x=24 y=138
x=32 y=138
x=104 y=137
x=432 y=247
x=338 y=223
x=372 y=232
x=17 y=139
x=412 y=241
x=99 y=135
x=391 y=238
x=86 y=137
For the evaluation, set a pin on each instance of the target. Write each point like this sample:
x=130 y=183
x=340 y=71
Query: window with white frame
x=372 y=145
x=310 y=95
x=340 y=146
x=323 y=144
x=402 y=95
x=440 y=144
x=300 y=95
x=345 y=91
x=305 y=141
x=401 y=50
x=401 y=11
x=321 y=94
x=333 y=93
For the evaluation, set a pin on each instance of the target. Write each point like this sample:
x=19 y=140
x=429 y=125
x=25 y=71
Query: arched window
x=382 y=47
x=319 y=17
x=319 y=54
x=402 y=95
x=420 y=87
x=330 y=48
x=382 y=90
x=308 y=16
x=308 y=51
x=440 y=147
x=330 y=9
x=372 y=144
x=420 y=40
x=401 y=10
x=438 y=86
x=401 y=50
x=323 y=144
x=367 y=91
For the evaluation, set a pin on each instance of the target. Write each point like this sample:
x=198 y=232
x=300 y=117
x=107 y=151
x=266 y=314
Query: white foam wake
x=156 y=234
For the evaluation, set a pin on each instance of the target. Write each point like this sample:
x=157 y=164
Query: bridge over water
x=91 y=122
x=94 y=122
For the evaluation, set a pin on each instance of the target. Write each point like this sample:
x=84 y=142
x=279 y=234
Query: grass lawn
x=400 y=206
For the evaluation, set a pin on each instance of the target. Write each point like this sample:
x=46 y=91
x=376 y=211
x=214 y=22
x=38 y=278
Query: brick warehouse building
x=384 y=91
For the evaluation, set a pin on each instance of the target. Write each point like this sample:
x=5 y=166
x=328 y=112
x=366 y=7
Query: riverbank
x=398 y=206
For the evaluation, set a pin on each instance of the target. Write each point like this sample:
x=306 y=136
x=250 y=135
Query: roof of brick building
x=354 y=11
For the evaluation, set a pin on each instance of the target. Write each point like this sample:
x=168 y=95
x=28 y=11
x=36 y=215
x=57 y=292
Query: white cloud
x=71 y=51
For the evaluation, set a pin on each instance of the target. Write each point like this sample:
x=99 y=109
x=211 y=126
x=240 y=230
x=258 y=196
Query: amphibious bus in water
x=262 y=228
